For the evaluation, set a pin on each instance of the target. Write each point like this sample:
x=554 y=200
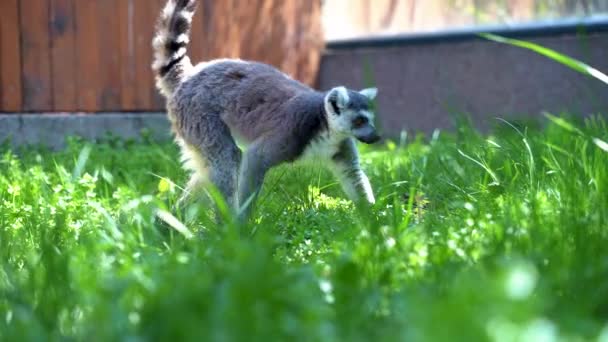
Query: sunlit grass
x=473 y=237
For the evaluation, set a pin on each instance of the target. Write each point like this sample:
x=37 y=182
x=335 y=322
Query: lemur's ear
x=370 y=93
x=338 y=99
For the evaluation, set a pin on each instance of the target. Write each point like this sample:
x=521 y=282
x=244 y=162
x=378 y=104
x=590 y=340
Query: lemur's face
x=349 y=113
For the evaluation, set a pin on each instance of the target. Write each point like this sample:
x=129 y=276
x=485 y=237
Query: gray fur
x=253 y=100
x=280 y=118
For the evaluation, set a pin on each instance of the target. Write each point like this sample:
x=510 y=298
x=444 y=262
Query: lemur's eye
x=359 y=121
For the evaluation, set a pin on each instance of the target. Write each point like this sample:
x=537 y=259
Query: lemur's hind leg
x=194 y=162
x=262 y=155
x=221 y=155
x=251 y=176
x=192 y=189
x=347 y=169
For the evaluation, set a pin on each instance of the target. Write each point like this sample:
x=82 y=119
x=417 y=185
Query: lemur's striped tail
x=172 y=36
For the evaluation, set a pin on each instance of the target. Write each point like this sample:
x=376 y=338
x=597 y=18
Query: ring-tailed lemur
x=212 y=103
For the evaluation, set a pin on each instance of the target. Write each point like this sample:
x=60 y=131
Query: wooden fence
x=95 y=55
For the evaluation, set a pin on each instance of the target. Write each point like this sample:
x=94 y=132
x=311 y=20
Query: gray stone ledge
x=51 y=129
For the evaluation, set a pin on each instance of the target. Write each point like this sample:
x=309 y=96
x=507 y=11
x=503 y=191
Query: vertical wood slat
x=125 y=14
x=63 y=55
x=195 y=48
x=10 y=57
x=88 y=66
x=109 y=91
x=35 y=49
x=143 y=22
x=140 y=22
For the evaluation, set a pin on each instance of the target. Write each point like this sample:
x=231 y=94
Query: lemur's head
x=349 y=113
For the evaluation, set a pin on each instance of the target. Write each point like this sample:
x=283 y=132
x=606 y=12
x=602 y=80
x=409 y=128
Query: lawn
x=500 y=236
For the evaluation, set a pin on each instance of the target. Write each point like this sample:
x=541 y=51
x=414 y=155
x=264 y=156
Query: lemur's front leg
x=347 y=169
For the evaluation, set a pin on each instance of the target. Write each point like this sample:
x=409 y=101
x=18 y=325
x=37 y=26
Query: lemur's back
x=243 y=93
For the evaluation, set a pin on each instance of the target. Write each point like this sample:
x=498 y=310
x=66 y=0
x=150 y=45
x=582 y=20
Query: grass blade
x=601 y=144
x=174 y=223
x=111 y=223
x=492 y=174
x=552 y=54
x=563 y=124
x=81 y=162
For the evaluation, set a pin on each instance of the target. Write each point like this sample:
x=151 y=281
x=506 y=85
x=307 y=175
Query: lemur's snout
x=370 y=138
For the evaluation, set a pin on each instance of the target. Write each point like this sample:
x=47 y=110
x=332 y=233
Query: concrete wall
x=51 y=130
x=424 y=79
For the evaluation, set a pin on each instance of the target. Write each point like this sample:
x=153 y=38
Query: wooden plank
x=10 y=57
x=63 y=55
x=197 y=34
x=35 y=49
x=87 y=59
x=144 y=19
x=125 y=12
x=209 y=34
x=109 y=97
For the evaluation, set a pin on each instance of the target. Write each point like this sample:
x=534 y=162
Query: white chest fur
x=323 y=147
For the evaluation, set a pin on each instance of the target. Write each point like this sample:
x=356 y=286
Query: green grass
x=501 y=237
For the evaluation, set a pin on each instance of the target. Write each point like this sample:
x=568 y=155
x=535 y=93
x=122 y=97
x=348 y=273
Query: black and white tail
x=172 y=36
